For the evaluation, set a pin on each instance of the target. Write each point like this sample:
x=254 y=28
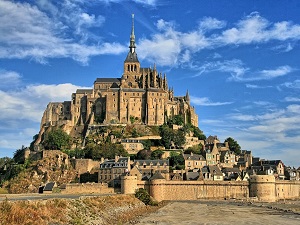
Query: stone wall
x=86 y=165
x=100 y=188
x=266 y=188
x=261 y=187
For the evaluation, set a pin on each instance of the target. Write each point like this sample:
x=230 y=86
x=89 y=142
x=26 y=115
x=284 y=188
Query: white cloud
x=9 y=78
x=146 y=2
x=206 y=102
x=209 y=23
x=246 y=76
x=33 y=34
x=254 y=86
x=30 y=102
x=292 y=99
x=293 y=85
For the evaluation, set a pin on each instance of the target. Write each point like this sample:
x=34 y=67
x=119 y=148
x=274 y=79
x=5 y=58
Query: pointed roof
x=132 y=56
x=157 y=176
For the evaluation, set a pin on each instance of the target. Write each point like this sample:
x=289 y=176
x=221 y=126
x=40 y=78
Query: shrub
x=144 y=196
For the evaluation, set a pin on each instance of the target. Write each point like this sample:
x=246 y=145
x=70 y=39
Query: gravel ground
x=224 y=212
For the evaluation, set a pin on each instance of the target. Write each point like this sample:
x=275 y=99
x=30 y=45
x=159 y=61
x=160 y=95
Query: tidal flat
x=224 y=212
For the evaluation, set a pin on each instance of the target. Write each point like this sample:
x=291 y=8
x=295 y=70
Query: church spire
x=132 y=37
x=132 y=56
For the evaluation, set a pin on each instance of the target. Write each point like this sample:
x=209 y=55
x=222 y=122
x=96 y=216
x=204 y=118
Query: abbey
x=141 y=95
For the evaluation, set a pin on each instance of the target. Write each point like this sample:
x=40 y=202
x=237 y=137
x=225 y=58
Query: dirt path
x=215 y=213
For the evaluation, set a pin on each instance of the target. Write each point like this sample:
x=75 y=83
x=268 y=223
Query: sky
x=239 y=60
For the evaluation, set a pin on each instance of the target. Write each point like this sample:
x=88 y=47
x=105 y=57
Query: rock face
x=140 y=96
x=53 y=166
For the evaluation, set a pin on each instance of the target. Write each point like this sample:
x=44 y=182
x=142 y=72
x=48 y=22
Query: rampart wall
x=88 y=188
x=260 y=187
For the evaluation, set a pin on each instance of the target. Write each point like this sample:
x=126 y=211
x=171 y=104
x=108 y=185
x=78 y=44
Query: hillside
x=36 y=173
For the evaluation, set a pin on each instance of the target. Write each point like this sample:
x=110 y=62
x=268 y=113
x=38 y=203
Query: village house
x=193 y=161
x=211 y=172
x=269 y=167
x=112 y=169
x=145 y=169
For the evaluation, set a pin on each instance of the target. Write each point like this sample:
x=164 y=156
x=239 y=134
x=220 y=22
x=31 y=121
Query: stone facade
x=141 y=95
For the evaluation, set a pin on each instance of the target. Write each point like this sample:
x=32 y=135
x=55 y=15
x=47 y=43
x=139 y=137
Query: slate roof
x=215 y=170
x=108 y=80
x=49 y=186
x=83 y=91
x=157 y=176
x=193 y=157
x=111 y=163
x=231 y=170
x=192 y=175
x=153 y=161
x=131 y=57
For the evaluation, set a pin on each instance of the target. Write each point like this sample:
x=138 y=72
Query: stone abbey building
x=141 y=95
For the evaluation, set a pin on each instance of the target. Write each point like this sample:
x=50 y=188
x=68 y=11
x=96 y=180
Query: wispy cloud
x=9 y=79
x=294 y=85
x=212 y=34
x=39 y=35
x=254 y=86
x=206 y=102
x=292 y=99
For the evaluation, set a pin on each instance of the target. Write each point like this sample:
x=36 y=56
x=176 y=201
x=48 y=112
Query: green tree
x=233 y=145
x=144 y=154
x=105 y=150
x=157 y=154
x=167 y=135
x=57 y=139
x=179 y=138
x=178 y=120
x=147 y=144
x=176 y=161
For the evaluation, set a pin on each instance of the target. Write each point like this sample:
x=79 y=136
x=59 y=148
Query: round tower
x=128 y=184
x=263 y=187
x=157 y=189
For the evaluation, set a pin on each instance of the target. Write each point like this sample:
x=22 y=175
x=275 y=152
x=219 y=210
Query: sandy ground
x=225 y=212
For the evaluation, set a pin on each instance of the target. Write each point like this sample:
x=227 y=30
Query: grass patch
x=3 y=191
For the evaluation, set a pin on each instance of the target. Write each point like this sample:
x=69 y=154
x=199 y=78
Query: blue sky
x=238 y=59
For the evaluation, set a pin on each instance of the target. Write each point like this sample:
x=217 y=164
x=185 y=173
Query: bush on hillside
x=144 y=196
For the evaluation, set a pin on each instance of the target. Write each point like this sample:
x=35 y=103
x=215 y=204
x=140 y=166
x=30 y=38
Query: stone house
x=144 y=169
x=111 y=170
x=211 y=172
x=244 y=160
x=193 y=161
x=227 y=158
x=270 y=167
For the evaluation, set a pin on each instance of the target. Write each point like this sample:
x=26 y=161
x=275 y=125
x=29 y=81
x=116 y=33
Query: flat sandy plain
x=224 y=212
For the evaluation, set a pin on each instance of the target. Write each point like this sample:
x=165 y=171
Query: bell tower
x=131 y=73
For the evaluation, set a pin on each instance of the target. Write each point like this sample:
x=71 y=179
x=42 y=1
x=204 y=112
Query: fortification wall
x=194 y=190
x=87 y=188
x=86 y=165
x=287 y=189
x=187 y=190
x=263 y=187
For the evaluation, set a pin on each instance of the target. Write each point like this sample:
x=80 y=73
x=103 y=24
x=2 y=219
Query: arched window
x=128 y=68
